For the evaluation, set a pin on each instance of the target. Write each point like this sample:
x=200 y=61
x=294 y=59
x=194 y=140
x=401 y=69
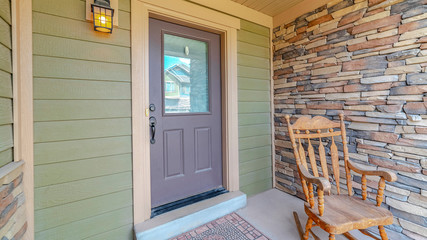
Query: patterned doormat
x=229 y=227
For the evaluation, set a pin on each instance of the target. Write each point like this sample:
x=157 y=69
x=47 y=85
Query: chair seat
x=344 y=213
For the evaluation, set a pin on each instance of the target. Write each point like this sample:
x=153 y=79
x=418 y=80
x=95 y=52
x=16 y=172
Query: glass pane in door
x=185 y=75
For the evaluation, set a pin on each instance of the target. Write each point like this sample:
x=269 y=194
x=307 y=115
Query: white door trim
x=190 y=14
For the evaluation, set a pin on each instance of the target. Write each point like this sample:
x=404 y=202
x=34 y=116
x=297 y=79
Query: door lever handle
x=153 y=123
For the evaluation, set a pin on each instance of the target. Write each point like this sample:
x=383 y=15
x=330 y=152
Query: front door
x=185 y=112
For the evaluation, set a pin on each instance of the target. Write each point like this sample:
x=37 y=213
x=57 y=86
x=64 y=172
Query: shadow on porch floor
x=271 y=213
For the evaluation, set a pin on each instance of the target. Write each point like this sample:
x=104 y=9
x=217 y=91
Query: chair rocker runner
x=336 y=213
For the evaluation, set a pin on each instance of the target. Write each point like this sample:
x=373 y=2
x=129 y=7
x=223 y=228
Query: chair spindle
x=304 y=188
x=296 y=155
x=381 y=186
x=311 y=194
x=321 y=202
x=364 y=187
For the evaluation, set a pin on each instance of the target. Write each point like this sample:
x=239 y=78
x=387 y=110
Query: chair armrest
x=384 y=176
x=389 y=176
x=321 y=182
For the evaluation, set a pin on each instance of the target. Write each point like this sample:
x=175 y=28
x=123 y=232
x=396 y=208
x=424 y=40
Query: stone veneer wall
x=13 y=223
x=368 y=60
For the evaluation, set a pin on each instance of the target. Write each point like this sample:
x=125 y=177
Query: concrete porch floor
x=271 y=213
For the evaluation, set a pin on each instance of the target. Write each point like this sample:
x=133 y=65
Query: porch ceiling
x=269 y=7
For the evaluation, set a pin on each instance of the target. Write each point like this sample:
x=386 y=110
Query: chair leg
x=307 y=228
x=331 y=236
x=383 y=234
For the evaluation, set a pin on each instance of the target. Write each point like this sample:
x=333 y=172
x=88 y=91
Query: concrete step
x=181 y=220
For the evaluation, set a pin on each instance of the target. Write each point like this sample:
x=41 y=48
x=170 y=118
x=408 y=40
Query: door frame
x=191 y=15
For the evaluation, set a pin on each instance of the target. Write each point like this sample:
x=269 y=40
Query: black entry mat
x=187 y=201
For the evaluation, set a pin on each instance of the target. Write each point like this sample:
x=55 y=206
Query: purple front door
x=185 y=112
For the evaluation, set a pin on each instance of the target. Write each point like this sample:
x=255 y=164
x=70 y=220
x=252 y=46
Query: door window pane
x=186 y=82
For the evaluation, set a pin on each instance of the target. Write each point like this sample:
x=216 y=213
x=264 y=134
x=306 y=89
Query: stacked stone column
x=366 y=59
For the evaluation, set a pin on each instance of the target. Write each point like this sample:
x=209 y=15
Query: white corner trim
x=22 y=54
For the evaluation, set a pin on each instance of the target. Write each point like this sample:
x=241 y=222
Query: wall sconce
x=102 y=16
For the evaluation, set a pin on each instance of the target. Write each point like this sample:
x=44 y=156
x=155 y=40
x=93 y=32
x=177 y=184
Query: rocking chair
x=336 y=213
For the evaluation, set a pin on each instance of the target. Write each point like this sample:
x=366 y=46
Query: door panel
x=185 y=88
x=173 y=149
x=203 y=149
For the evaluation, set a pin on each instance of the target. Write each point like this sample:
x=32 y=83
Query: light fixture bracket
x=102 y=3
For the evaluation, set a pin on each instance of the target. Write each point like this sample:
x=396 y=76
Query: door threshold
x=187 y=201
x=183 y=219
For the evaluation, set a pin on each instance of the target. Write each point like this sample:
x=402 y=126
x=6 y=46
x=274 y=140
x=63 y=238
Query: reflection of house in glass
x=177 y=88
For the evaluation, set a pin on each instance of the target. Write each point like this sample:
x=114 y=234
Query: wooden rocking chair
x=336 y=213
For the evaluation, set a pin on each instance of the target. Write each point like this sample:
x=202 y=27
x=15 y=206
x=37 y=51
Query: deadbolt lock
x=152 y=107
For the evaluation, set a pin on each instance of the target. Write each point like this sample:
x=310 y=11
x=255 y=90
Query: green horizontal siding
x=60 y=110
x=64 y=89
x=254 y=84
x=254 y=107
x=82 y=114
x=5 y=11
x=91 y=227
x=257 y=187
x=5 y=33
x=255 y=141
x=253 y=38
x=85 y=209
x=6 y=111
x=72 y=170
x=254 y=153
x=254 y=130
x=253 y=96
x=52 y=67
x=253 y=118
x=47 y=24
x=253 y=71
x=82 y=128
x=253 y=165
x=124 y=232
x=73 y=49
x=6 y=118
x=60 y=194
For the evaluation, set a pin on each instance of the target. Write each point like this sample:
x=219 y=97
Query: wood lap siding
x=6 y=116
x=82 y=124
x=254 y=108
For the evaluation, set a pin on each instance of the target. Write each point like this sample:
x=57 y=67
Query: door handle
x=153 y=123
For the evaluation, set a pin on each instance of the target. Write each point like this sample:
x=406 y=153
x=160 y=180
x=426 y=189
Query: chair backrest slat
x=322 y=157
x=302 y=154
x=312 y=158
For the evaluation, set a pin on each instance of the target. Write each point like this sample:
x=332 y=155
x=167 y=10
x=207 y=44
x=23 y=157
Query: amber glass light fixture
x=102 y=16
